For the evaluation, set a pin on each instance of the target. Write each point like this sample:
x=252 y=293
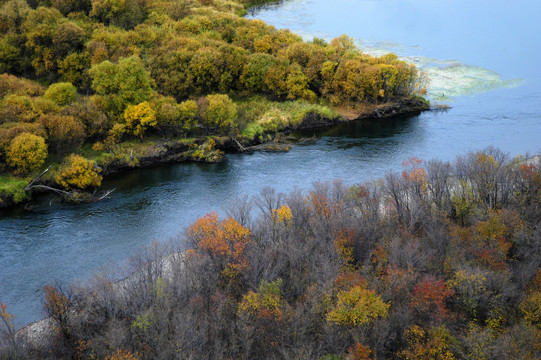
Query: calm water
x=482 y=57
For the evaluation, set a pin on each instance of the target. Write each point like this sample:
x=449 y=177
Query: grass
x=258 y=115
x=11 y=186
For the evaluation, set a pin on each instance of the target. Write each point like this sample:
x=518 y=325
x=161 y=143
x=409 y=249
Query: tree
x=356 y=307
x=139 y=118
x=254 y=71
x=62 y=93
x=266 y=303
x=74 y=69
x=224 y=242
x=429 y=298
x=68 y=38
x=124 y=13
x=66 y=133
x=220 y=113
x=122 y=84
x=79 y=173
x=27 y=152
x=434 y=344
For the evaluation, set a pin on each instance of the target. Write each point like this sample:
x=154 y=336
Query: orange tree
x=224 y=242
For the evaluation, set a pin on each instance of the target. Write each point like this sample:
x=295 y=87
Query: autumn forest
x=89 y=87
x=438 y=261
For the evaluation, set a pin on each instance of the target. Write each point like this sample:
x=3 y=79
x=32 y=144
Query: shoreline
x=177 y=151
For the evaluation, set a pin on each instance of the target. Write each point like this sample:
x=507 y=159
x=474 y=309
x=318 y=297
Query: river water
x=481 y=57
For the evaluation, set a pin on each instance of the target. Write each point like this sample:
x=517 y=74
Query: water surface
x=483 y=58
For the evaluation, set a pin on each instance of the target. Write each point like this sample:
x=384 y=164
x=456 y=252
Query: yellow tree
x=139 y=118
x=79 y=173
x=357 y=306
x=27 y=152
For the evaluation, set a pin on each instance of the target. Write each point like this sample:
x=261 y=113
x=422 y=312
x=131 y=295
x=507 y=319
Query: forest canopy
x=87 y=76
x=438 y=262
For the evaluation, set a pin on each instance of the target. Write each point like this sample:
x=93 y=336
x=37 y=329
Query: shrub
x=139 y=118
x=61 y=93
x=220 y=113
x=27 y=152
x=79 y=173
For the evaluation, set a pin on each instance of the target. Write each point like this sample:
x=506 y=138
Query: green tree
x=220 y=113
x=254 y=71
x=122 y=84
x=123 y=13
x=61 y=93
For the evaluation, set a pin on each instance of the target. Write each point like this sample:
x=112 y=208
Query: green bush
x=62 y=93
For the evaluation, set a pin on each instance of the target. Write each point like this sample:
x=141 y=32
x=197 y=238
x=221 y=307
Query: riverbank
x=175 y=296
x=153 y=152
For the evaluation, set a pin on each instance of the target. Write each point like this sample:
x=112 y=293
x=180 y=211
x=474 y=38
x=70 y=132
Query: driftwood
x=242 y=149
x=67 y=195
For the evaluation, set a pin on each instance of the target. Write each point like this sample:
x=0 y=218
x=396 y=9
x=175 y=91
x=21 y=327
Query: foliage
x=434 y=344
x=122 y=84
x=266 y=303
x=121 y=354
x=65 y=133
x=61 y=93
x=139 y=118
x=12 y=187
x=27 y=152
x=357 y=306
x=224 y=241
x=220 y=113
x=79 y=173
x=328 y=274
x=429 y=297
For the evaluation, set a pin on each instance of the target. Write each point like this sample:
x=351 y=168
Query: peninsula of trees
x=90 y=86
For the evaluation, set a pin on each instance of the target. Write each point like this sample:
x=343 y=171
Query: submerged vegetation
x=439 y=262
x=101 y=74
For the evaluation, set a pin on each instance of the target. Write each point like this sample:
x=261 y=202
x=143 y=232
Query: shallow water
x=482 y=58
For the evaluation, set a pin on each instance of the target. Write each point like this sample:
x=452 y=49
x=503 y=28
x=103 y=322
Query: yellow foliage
x=434 y=344
x=531 y=308
x=27 y=152
x=282 y=215
x=266 y=303
x=123 y=355
x=357 y=306
x=139 y=118
x=79 y=173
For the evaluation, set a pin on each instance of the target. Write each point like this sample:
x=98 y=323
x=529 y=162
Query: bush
x=27 y=152
x=79 y=173
x=139 y=118
x=61 y=93
x=220 y=113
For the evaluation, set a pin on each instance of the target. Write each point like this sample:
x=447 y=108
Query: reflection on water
x=66 y=242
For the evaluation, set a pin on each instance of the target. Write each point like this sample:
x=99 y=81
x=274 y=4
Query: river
x=482 y=59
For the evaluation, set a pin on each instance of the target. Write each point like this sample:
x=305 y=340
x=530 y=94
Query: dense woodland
x=89 y=84
x=441 y=261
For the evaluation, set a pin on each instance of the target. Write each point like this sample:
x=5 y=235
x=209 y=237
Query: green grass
x=259 y=115
x=13 y=186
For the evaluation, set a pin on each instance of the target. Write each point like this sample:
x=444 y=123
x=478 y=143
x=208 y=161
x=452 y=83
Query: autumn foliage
x=79 y=173
x=381 y=270
x=224 y=241
x=27 y=152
